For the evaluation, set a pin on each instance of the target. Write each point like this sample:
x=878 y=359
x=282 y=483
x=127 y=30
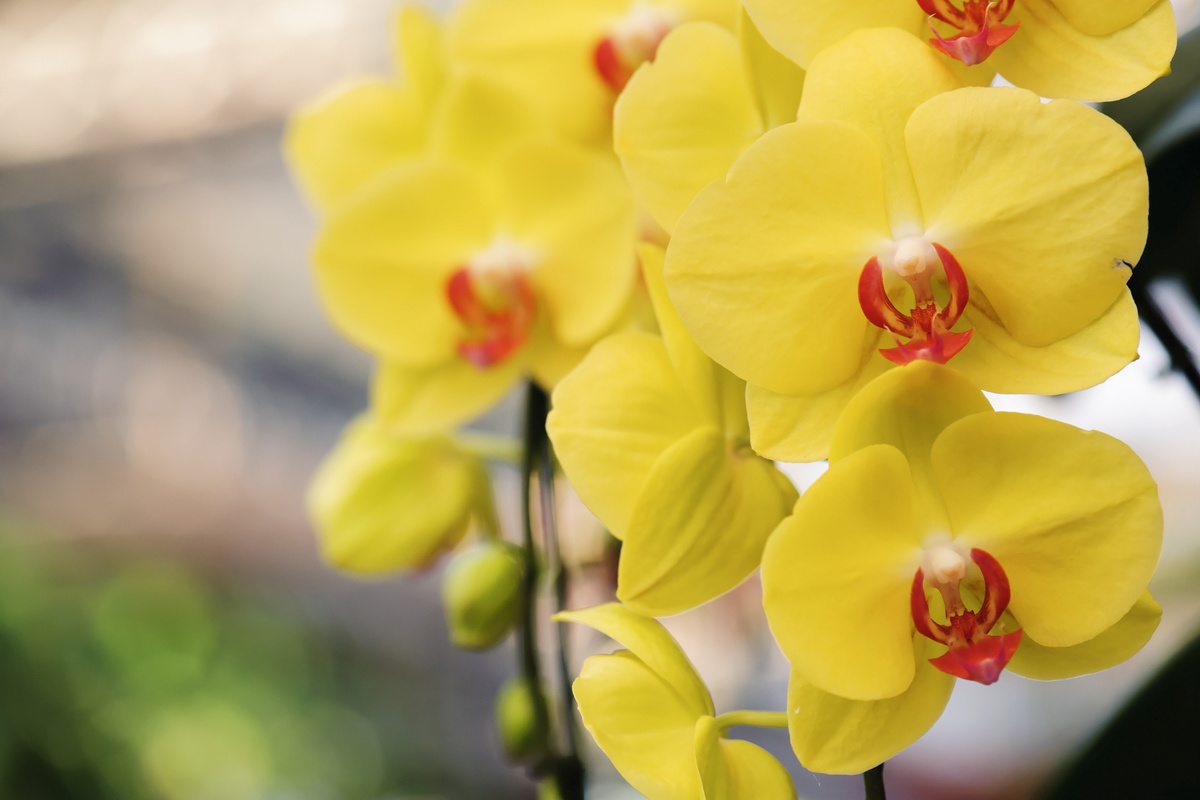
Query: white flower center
x=914 y=257
x=637 y=35
x=944 y=565
x=494 y=268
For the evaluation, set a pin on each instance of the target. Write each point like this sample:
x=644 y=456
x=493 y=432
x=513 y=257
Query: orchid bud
x=481 y=594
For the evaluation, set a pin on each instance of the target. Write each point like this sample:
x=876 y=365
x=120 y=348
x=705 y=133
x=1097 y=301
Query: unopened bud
x=516 y=720
x=481 y=594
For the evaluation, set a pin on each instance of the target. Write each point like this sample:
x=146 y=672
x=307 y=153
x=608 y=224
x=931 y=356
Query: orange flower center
x=928 y=325
x=972 y=654
x=632 y=41
x=493 y=297
x=979 y=21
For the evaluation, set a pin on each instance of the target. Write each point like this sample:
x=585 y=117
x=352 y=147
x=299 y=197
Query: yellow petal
x=341 y=142
x=800 y=428
x=383 y=261
x=641 y=724
x=608 y=448
x=420 y=50
x=1107 y=649
x=543 y=48
x=649 y=642
x=837 y=573
x=551 y=361
x=764 y=268
x=700 y=376
x=731 y=769
x=683 y=120
x=909 y=408
x=423 y=401
x=1072 y=516
x=699 y=525
x=1098 y=17
x=777 y=81
x=834 y=735
x=480 y=120
x=722 y=12
x=1039 y=234
x=381 y=502
x=874 y=79
x=802 y=28
x=1056 y=59
x=575 y=210
x=996 y=362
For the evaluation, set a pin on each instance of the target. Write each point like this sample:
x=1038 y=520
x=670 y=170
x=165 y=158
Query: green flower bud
x=516 y=720
x=481 y=594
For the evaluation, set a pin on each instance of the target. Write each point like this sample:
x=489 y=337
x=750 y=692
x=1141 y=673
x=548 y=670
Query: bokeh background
x=168 y=384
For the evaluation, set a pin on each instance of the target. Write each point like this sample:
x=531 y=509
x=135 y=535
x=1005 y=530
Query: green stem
x=566 y=771
x=873 y=783
x=529 y=662
x=489 y=446
x=759 y=719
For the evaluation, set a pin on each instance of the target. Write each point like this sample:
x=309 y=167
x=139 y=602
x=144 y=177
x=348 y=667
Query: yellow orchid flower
x=384 y=503
x=683 y=119
x=499 y=254
x=653 y=436
x=896 y=188
x=356 y=132
x=1093 y=50
x=572 y=57
x=653 y=717
x=949 y=540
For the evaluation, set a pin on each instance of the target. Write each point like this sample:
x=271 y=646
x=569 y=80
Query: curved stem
x=566 y=770
x=527 y=646
x=759 y=719
x=1180 y=354
x=489 y=446
x=873 y=783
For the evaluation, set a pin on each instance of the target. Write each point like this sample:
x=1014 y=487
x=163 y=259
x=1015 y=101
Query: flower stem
x=489 y=446
x=759 y=719
x=1180 y=354
x=565 y=769
x=873 y=783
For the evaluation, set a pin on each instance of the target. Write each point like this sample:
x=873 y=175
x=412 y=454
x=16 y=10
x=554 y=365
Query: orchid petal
x=837 y=573
x=1073 y=517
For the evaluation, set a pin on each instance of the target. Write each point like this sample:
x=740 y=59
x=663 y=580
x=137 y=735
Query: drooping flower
x=684 y=119
x=653 y=436
x=573 y=57
x=384 y=503
x=969 y=221
x=653 y=717
x=499 y=253
x=1093 y=50
x=357 y=132
x=949 y=541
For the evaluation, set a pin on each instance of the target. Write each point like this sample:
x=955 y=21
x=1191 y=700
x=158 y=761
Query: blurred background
x=168 y=384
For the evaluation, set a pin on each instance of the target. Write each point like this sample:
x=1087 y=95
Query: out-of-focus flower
x=889 y=180
x=652 y=716
x=383 y=503
x=502 y=254
x=481 y=594
x=653 y=436
x=685 y=118
x=357 y=132
x=1094 y=50
x=572 y=58
x=948 y=540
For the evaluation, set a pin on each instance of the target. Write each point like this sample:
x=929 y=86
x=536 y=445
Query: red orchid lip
x=973 y=654
x=496 y=329
x=979 y=21
x=928 y=326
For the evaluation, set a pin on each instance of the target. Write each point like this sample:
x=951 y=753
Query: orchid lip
x=971 y=653
x=928 y=325
x=979 y=21
x=631 y=41
x=493 y=298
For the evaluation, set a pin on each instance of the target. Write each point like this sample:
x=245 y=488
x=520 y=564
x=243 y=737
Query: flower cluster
x=725 y=234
